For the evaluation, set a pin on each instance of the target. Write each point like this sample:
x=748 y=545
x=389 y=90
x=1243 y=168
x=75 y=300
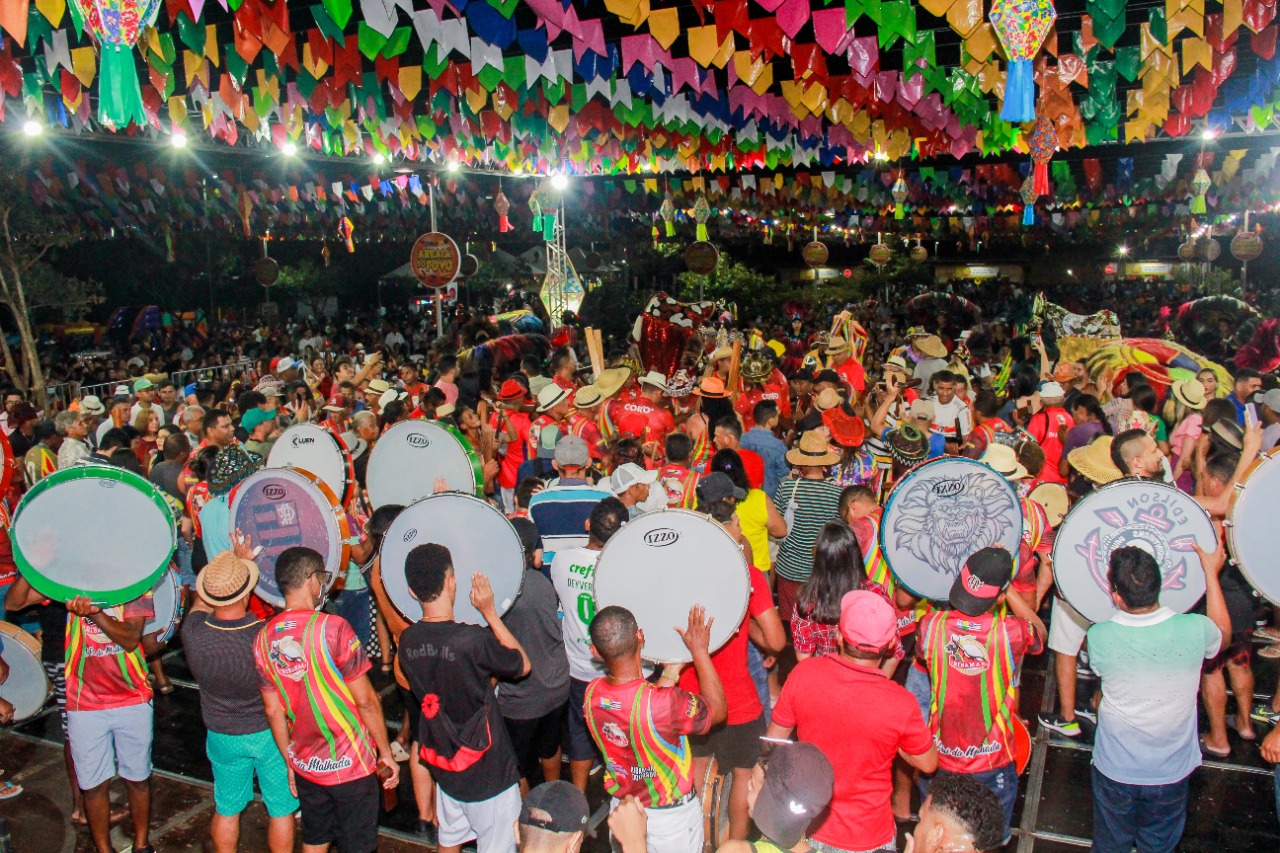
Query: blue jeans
x=183 y=558
x=353 y=605
x=760 y=677
x=1003 y=782
x=1150 y=817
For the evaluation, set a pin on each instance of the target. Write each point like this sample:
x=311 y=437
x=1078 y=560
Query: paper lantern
x=667 y=212
x=1021 y=26
x=503 y=206
x=116 y=25
x=900 y=193
x=1044 y=141
x=1199 y=188
x=918 y=253
x=1246 y=246
x=880 y=254
x=1029 y=196
x=1187 y=251
x=701 y=213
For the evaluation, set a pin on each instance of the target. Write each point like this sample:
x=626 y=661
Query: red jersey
x=8 y=567
x=534 y=433
x=101 y=674
x=509 y=462
x=308 y=658
x=1037 y=540
x=641 y=729
x=680 y=484
x=852 y=374
x=972 y=661
x=730 y=660
x=589 y=431
x=775 y=389
x=1044 y=427
x=645 y=420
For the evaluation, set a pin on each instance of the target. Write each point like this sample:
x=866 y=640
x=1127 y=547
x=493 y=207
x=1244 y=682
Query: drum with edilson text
x=663 y=563
x=1160 y=519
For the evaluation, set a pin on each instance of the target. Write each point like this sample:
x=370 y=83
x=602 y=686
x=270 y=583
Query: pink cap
x=867 y=622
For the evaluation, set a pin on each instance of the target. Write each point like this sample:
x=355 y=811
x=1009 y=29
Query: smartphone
x=1250 y=415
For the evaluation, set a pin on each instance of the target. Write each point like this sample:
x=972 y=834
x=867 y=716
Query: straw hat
x=379 y=386
x=610 y=381
x=812 y=450
x=828 y=398
x=588 y=396
x=1190 y=393
x=654 y=379
x=898 y=363
x=1093 y=461
x=226 y=578
x=711 y=387
x=1052 y=498
x=839 y=344
x=1004 y=461
x=721 y=352
x=551 y=396
x=930 y=345
x=1063 y=372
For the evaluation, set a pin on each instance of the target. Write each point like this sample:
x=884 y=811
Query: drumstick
x=593 y=352
x=735 y=362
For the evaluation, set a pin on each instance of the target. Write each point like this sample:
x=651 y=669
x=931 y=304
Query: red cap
x=867 y=622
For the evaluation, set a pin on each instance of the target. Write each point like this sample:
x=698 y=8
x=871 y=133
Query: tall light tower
x=562 y=288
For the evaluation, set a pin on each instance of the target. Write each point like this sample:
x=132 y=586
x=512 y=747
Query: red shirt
x=853 y=374
x=101 y=674
x=1044 y=426
x=534 y=433
x=859 y=719
x=509 y=464
x=308 y=658
x=644 y=420
x=972 y=661
x=1037 y=540
x=8 y=568
x=589 y=431
x=679 y=483
x=730 y=660
x=641 y=729
x=775 y=389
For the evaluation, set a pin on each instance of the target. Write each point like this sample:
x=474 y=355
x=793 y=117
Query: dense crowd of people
x=790 y=436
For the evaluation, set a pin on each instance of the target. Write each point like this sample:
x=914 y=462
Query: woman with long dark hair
x=838 y=568
x=757 y=514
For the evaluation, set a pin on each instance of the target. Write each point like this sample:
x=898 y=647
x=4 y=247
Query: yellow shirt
x=753 y=514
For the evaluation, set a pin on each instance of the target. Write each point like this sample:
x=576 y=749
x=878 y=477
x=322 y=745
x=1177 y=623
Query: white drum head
x=313 y=449
x=1253 y=511
x=27 y=688
x=479 y=538
x=939 y=515
x=166 y=598
x=407 y=459
x=281 y=508
x=663 y=563
x=93 y=530
x=1156 y=517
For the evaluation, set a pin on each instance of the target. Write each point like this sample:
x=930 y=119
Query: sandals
x=1250 y=734
x=9 y=790
x=1268 y=635
x=1214 y=751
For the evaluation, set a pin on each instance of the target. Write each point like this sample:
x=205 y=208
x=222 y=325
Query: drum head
x=166 y=599
x=93 y=530
x=27 y=687
x=663 y=563
x=1253 y=510
x=1153 y=516
x=286 y=507
x=317 y=450
x=407 y=459
x=940 y=514
x=479 y=538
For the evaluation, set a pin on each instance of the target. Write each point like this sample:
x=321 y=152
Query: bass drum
x=1160 y=519
x=282 y=508
x=1253 y=510
x=27 y=688
x=479 y=538
x=93 y=530
x=714 y=793
x=408 y=459
x=316 y=449
x=660 y=565
x=940 y=514
x=167 y=600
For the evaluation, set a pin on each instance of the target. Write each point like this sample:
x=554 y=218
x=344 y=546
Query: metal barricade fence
x=63 y=394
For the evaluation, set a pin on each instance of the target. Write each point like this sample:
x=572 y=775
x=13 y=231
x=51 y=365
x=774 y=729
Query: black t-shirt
x=220 y=654
x=165 y=475
x=454 y=663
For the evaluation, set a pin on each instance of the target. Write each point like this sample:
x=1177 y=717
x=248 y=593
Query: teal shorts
x=235 y=759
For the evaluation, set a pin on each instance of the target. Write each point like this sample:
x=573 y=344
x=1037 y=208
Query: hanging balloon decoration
x=701 y=213
x=1044 y=141
x=1187 y=251
x=1021 y=26
x=1199 y=189
x=503 y=206
x=668 y=214
x=880 y=253
x=900 y=192
x=1208 y=249
x=918 y=253
x=116 y=25
x=1029 y=196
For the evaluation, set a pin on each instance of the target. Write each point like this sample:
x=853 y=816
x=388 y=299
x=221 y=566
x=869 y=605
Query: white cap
x=629 y=475
x=1051 y=390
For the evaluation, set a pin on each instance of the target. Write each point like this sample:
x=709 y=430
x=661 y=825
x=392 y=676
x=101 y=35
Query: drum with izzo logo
x=662 y=564
x=316 y=449
x=406 y=461
x=479 y=538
